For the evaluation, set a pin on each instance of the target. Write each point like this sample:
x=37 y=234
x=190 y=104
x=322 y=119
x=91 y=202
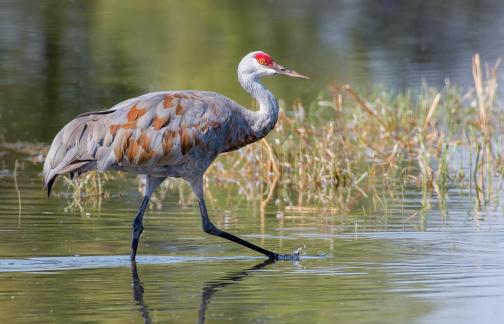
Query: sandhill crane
x=169 y=134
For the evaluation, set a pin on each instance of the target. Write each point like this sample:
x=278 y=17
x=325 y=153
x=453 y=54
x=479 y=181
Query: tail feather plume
x=68 y=152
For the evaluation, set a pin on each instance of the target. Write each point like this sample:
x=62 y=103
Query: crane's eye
x=264 y=59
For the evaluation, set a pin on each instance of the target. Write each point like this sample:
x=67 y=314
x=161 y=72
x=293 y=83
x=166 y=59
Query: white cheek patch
x=269 y=71
x=257 y=65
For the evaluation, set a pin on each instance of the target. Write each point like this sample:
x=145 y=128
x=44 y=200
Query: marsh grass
x=350 y=145
x=373 y=143
x=86 y=191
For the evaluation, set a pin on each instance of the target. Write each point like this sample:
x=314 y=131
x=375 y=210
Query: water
x=61 y=58
x=397 y=266
x=405 y=264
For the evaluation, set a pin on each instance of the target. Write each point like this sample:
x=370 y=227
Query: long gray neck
x=261 y=122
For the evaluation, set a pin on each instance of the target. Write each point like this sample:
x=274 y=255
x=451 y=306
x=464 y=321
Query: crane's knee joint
x=211 y=229
x=138 y=226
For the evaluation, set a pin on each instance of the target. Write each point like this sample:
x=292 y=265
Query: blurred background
x=407 y=240
x=60 y=58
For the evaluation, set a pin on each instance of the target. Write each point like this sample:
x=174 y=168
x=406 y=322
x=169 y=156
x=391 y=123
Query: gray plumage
x=167 y=134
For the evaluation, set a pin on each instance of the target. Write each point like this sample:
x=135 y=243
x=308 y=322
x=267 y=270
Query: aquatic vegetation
x=86 y=191
x=349 y=146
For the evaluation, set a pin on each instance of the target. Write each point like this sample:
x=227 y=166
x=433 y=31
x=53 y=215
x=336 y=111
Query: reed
x=351 y=145
x=372 y=141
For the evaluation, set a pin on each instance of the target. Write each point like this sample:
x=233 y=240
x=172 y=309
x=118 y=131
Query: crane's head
x=259 y=64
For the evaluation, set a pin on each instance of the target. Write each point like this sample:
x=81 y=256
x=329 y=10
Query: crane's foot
x=286 y=257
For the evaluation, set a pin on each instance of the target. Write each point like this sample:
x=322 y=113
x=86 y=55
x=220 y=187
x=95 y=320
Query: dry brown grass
x=348 y=145
x=376 y=141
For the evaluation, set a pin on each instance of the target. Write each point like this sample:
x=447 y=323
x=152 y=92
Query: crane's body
x=168 y=134
x=162 y=134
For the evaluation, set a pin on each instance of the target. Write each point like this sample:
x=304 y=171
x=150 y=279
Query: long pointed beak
x=288 y=72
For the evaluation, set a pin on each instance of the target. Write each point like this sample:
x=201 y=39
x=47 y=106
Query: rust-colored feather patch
x=180 y=96
x=144 y=141
x=160 y=122
x=145 y=156
x=186 y=141
x=167 y=101
x=129 y=125
x=113 y=129
x=118 y=153
x=135 y=113
x=168 y=142
x=121 y=145
x=132 y=150
x=179 y=110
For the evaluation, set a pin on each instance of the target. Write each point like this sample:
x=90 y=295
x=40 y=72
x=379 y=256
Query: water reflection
x=60 y=58
x=230 y=279
x=207 y=292
x=138 y=292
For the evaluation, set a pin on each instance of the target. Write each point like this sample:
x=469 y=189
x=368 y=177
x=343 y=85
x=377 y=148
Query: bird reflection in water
x=206 y=293
x=138 y=291
x=230 y=279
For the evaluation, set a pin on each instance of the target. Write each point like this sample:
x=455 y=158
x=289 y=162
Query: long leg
x=210 y=228
x=138 y=227
x=151 y=184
